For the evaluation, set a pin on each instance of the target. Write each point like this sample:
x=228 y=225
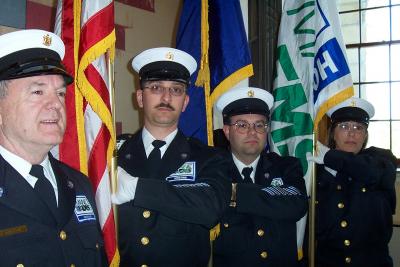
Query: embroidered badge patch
x=187 y=172
x=277 y=182
x=83 y=209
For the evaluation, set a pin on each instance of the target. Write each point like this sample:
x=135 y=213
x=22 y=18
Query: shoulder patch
x=187 y=172
x=83 y=209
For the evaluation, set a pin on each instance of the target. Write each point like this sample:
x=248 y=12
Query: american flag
x=88 y=31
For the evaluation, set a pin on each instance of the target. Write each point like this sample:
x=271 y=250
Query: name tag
x=83 y=209
x=187 y=172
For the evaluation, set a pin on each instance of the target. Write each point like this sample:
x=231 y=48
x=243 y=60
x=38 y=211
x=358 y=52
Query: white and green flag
x=312 y=76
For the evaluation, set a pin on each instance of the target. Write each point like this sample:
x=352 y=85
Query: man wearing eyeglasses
x=171 y=189
x=355 y=192
x=268 y=191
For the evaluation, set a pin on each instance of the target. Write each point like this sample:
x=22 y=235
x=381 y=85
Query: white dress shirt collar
x=148 y=138
x=240 y=165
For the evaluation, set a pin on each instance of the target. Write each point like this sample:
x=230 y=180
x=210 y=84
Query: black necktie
x=43 y=186
x=246 y=174
x=154 y=159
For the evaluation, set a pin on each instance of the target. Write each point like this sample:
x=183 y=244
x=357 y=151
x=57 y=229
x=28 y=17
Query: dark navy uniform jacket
x=355 y=207
x=32 y=235
x=168 y=222
x=261 y=230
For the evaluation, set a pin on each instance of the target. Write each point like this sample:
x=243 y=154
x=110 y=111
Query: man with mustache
x=48 y=211
x=268 y=191
x=171 y=189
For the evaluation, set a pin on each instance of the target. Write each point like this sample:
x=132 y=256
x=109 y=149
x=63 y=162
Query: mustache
x=165 y=105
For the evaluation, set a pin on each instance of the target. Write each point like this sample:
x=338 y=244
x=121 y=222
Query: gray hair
x=3 y=88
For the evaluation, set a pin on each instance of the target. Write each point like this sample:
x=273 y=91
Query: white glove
x=321 y=150
x=126 y=187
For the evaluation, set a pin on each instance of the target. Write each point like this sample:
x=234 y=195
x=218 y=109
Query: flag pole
x=113 y=169
x=311 y=213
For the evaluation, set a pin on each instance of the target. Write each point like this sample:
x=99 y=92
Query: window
x=371 y=31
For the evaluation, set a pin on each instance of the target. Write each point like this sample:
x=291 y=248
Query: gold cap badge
x=250 y=93
x=47 y=40
x=169 y=56
x=353 y=103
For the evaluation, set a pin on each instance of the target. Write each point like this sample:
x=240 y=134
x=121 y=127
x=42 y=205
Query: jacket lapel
x=17 y=194
x=134 y=161
x=177 y=153
x=262 y=176
x=66 y=193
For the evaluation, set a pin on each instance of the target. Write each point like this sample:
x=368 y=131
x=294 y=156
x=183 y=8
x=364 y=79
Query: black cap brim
x=245 y=106
x=165 y=70
x=33 y=62
x=350 y=114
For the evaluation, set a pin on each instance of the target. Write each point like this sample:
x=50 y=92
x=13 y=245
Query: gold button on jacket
x=146 y=214
x=145 y=241
x=264 y=254
x=63 y=235
x=260 y=232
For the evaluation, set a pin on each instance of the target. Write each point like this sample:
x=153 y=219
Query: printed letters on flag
x=312 y=76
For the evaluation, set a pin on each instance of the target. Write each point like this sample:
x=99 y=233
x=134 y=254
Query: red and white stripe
x=84 y=27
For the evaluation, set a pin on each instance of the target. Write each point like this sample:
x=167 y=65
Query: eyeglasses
x=354 y=127
x=175 y=90
x=243 y=127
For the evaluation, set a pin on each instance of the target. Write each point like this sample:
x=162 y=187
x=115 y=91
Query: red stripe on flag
x=96 y=80
x=97 y=157
x=69 y=149
x=109 y=236
x=96 y=28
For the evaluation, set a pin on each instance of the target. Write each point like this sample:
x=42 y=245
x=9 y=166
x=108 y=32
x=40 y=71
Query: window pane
x=356 y=88
x=395 y=62
x=396 y=23
x=352 y=58
x=344 y=5
x=379 y=134
x=379 y=96
x=350 y=27
x=396 y=138
x=395 y=97
x=394 y=2
x=374 y=63
x=373 y=3
x=375 y=25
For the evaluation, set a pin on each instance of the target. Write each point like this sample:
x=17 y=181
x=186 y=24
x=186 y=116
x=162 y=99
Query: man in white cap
x=172 y=188
x=355 y=192
x=48 y=211
x=268 y=191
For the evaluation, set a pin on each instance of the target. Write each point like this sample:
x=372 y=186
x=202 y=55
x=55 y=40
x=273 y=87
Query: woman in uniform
x=355 y=192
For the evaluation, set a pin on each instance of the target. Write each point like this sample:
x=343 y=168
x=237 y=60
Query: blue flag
x=213 y=33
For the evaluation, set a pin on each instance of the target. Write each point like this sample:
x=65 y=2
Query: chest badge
x=277 y=182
